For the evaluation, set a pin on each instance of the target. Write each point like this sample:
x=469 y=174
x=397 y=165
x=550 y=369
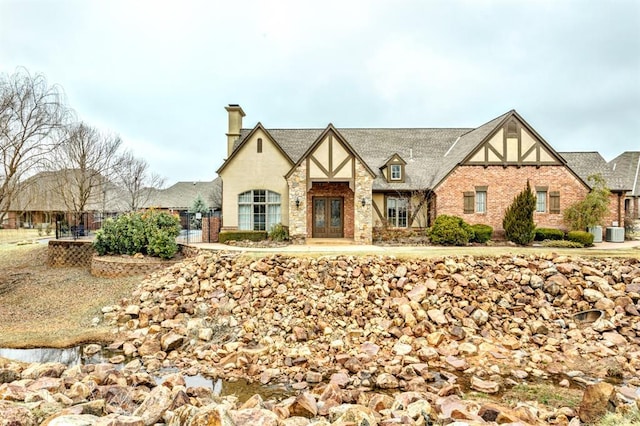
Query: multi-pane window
x=541 y=201
x=258 y=210
x=396 y=172
x=481 y=201
x=397 y=209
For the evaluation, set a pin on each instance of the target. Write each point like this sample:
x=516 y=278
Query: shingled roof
x=585 y=164
x=180 y=196
x=626 y=168
x=431 y=153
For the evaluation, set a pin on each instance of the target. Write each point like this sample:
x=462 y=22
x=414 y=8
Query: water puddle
x=67 y=356
x=242 y=389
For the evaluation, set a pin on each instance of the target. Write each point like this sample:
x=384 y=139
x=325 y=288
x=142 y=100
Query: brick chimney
x=235 y=124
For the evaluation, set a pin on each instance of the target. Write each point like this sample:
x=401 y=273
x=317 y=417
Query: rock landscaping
x=354 y=340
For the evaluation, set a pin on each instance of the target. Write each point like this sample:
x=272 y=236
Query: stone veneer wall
x=297 y=215
x=70 y=253
x=114 y=266
x=363 y=217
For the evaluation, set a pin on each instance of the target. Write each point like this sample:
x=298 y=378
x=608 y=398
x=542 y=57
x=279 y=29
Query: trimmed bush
x=518 y=219
x=450 y=231
x=242 y=235
x=279 y=232
x=583 y=237
x=162 y=244
x=561 y=244
x=548 y=234
x=149 y=233
x=481 y=233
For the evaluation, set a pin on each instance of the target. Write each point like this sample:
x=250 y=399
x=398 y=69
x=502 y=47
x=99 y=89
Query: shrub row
x=583 y=238
x=454 y=231
x=242 y=235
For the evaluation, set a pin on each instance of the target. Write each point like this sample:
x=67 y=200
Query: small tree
x=518 y=219
x=198 y=206
x=591 y=210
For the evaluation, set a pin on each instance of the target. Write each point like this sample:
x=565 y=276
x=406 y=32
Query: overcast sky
x=160 y=73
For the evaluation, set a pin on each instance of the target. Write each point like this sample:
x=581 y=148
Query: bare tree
x=85 y=162
x=31 y=114
x=137 y=181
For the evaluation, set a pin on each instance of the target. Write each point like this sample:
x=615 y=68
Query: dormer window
x=393 y=169
x=396 y=172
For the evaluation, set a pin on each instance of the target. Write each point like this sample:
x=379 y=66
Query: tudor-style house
x=341 y=183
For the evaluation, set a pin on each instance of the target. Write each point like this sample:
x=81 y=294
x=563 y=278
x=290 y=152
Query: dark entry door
x=328 y=217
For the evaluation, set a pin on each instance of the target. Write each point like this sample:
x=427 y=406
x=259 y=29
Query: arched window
x=258 y=210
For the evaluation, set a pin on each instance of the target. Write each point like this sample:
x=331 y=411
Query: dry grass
x=52 y=307
x=18 y=235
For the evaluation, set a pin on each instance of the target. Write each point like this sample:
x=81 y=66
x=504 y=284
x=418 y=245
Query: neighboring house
x=40 y=201
x=626 y=168
x=341 y=183
x=178 y=198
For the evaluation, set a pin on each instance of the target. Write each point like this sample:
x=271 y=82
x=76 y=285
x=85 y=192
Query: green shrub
x=162 y=244
x=450 y=230
x=279 y=232
x=561 y=244
x=542 y=234
x=583 y=237
x=518 y=219
x=242 y=235
x=147 y=233
x=481 y=233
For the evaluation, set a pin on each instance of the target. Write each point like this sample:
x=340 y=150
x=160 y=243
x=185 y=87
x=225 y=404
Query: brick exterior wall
x=69 y=253
x=331 y=189
x=503 y=184
x=210 y=229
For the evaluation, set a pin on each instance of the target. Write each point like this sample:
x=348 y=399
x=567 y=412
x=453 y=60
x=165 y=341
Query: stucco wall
x=503 y=184
x=253 y=170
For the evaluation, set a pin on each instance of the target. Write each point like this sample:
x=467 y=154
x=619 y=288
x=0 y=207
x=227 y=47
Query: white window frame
x=395 y=171
x=481 y=201
x=258 y=210
x=395 y=203
x=541 y=201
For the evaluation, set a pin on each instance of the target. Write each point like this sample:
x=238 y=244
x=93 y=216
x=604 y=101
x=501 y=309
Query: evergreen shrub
x=242 y=235
x=450 y=231
x=481 y=233
x=518 y=219
x=149 y=233
x=583 y=237
x=279 y=232
x=542 y=234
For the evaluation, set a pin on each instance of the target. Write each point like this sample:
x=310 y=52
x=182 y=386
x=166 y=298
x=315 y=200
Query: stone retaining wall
x=70 y=253
x=116 y=266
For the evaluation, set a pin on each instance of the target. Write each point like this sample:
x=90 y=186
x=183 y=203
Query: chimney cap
x=235 y=107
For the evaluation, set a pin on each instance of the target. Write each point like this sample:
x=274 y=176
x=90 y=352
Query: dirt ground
x=52 y=307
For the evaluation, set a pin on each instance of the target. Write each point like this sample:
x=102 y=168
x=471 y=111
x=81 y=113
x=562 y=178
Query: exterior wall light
x=297 y=203
x=364 y=201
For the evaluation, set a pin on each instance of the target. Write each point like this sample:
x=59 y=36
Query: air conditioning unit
x=614 y=234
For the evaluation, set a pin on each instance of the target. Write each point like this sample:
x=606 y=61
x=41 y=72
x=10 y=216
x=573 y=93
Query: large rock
x=154 y=405
x=12 y=414
x=596 y=401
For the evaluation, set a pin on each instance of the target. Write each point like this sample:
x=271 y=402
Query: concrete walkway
x=373 y=249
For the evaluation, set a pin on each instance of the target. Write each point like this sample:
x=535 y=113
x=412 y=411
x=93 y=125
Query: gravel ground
x=51 y=307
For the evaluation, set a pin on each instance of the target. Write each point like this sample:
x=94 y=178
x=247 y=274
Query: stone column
x=362 y=220
x=298 y=214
